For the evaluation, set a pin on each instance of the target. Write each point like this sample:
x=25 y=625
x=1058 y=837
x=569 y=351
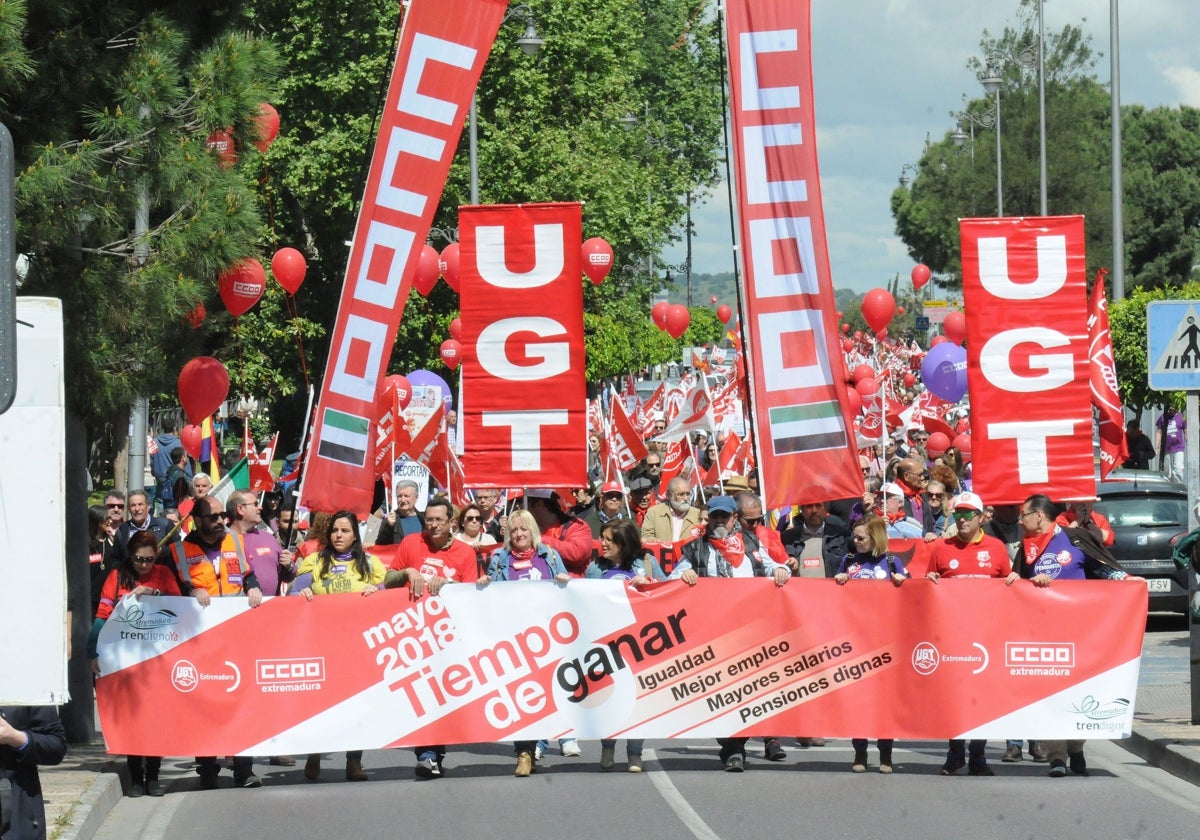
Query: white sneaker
x=538 y=752
x=570 y=748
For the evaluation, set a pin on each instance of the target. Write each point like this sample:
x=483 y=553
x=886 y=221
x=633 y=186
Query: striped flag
x=344 y=437
x=806 y=428
x=209 y=451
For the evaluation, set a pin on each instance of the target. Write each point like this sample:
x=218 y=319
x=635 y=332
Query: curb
x=93 y=807
x=1166 y=753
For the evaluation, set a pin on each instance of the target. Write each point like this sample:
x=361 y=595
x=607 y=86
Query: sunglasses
x=470 y=519
x=209 y=517
x=960 y=515
x=756 y=521
x=937 y=495
x=116 y=506
x=137 y=558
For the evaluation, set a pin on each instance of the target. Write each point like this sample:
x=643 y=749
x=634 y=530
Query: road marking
x=678 y=803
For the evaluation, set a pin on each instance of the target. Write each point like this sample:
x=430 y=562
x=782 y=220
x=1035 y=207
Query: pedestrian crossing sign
x=1173 y=345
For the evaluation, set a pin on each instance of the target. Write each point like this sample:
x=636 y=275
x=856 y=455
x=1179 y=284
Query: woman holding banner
x=526 y=557
x=139 y=574
x=622 y=558
x=342 y=566
x=470 y=530
x=871 y=561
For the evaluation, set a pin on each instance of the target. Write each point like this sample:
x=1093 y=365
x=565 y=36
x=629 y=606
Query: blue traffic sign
x=1173 y=345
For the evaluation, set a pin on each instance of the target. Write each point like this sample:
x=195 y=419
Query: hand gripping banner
x=443 y=46
x=593 y=659
x=801 y=412
x=1025 y=295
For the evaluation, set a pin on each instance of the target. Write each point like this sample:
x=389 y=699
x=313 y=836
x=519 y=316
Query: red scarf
x=1035 y=546
x=732 y=548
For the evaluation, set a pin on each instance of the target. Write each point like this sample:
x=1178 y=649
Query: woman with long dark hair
x=341 y=566
x=139 y=574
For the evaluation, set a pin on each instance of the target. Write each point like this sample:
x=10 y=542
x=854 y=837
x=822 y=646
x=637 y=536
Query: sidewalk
x=86 y=786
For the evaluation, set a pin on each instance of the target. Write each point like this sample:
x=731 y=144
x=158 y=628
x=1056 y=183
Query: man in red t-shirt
x=439 y=558
x=970 y=553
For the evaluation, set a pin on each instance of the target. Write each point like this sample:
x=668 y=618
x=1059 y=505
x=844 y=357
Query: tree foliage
x=1127 y=327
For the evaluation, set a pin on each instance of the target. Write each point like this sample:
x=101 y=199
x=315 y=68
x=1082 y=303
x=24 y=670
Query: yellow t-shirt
x=342 y=576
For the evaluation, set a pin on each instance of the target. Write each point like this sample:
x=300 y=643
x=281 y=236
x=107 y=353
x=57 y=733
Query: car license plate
x=1159 y=584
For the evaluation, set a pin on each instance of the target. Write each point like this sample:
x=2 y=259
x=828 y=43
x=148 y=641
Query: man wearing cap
x=610 y=506
x=641 y=494
x=900 y=526
x=970 y=553
x=725 y=551
x=672 y=520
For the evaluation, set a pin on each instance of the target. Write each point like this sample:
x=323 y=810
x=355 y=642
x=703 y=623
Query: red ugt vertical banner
x=801 y=412
x=524 y=416
x=443 y=46
x=1025 y=294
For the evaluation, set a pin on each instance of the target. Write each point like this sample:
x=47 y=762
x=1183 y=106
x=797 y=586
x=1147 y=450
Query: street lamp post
x=905 y=178
x=529 y=43
x=991 y=83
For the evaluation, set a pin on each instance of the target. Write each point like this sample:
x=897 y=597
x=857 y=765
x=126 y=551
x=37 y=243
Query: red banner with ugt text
x=523 y=417
x=801 y=411
x=443 y=46
x=1025 y=295
x=598 y=659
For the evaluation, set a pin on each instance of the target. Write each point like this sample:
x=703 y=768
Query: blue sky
x=887 y=74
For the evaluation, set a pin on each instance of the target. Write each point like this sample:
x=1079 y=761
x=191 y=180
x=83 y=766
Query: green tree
x=1127 y=327
x=114 y=119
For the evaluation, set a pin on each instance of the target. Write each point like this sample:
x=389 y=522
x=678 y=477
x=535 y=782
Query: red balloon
x=937 y=339
x=847 y=345
x=241 y=285
x=659 y=314
x=867 y=387
x=449 y=265
x=878 y=307
x=189 y=439
x=858 y=335
x=724 y=313
x=456 y=329
x=955 y=327
x=963 y=444
x=846 y=328
x=203 y=386
x=839 y=315
x=197 y=315
x=713 y=299
x=451 y=352
x=426 y=275
x=908 y=380
x=597 y=259
x=678 y=318
x=397 y=384
x=861 y=372
x=289 y=267
x=920 y=275
x=267 y=124
x=937 y=444
x=899 y=310
x=221 y=143
x=855 y=400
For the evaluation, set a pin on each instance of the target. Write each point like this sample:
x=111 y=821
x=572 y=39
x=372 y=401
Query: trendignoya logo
x=925 y=658
x=1091 y=708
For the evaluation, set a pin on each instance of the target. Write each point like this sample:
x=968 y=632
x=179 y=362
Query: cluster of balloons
x=672 y=317
x=243 y=283
x=203 y=385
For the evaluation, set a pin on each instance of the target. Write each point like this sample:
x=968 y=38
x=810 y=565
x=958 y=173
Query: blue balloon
x=425 y=377
x=944 y=371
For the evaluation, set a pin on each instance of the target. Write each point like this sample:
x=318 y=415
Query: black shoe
x=1058 y=769
x=774 y=752
x=980 y=769
x=135 y=790
x=208 y=781
x=154 y=788
x=1078 y=764
x=953 y=764
x=250 y=781
x=735 y=764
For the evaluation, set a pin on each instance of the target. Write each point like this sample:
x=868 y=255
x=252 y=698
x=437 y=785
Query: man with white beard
x=672 y=520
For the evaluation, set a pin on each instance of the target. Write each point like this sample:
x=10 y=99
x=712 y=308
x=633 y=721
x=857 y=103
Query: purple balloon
x=944 y=371
x=426 y=377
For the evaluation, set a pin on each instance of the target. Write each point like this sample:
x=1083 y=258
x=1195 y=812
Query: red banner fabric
x=443 y=46
x=524 y=389
x=802 y=417
x=1114 y=447
x=1025 y=296
x=597 y=659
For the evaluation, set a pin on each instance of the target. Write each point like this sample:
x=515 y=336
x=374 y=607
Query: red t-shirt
x=456 y=562
x=160 y=578
x=984 y=557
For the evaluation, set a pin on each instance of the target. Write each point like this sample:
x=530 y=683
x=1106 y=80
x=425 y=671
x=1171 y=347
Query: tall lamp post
x=529 y=43
x=991 y=83
x=986 y=119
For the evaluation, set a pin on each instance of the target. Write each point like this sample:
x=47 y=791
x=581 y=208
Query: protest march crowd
x=668 y=497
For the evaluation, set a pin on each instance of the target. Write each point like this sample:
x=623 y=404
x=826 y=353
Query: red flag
x=1114 y=449
x=699 y=362
x=625 y=445
x=262 y=478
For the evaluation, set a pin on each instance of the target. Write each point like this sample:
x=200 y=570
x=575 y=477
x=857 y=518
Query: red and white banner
x=624 y=444
x=524 y=420
x=1025 y=296
x=802 y=418
x=443 y=46
x=596 y=659
x=1106 y=396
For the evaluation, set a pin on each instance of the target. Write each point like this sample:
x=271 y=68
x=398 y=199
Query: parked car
x=1147 y=512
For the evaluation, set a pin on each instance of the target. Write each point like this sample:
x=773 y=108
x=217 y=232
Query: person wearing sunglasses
x=969 y=553
x=469 y=529
x=212 y=564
